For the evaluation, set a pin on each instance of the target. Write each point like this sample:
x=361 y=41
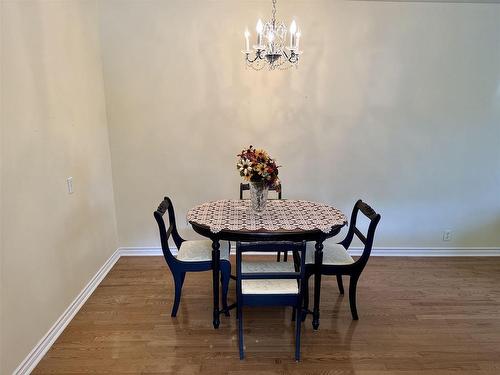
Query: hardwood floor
x=417 y=316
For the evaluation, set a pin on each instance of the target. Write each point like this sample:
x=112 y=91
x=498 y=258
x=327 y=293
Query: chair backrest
x=367 y=240
x=242 y=247
x=244 y=186
x=166 y=206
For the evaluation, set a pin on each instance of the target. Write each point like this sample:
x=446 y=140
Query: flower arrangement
x=255 y=165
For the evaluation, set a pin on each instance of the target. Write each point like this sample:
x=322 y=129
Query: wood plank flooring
x=438 y=316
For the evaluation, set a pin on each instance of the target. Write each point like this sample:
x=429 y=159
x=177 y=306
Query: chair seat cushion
x=268 y=286
x=258 y=266
x=333 y=254
x=201 y=251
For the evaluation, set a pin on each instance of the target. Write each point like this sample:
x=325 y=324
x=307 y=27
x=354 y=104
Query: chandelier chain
x=274 y=12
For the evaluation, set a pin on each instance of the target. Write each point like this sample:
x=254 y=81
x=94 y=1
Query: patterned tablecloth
x=279 y=214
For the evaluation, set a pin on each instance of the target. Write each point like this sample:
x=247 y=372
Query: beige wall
x=1 y=195
x=395 y=103
x=54 y=126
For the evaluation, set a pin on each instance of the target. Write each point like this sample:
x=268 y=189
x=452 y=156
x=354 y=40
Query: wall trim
x=41 y=348
x=377 y=251
x=142 y=251
x=431 y=251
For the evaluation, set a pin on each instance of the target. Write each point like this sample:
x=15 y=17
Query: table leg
x=318 y=261
x=215 y=274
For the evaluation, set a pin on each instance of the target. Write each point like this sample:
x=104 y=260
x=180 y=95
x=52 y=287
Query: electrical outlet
x=69 y=182
x=447 y=235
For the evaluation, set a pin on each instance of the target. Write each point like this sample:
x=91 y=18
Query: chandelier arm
x=293 y=58
x=253 y=60
x=258 y=55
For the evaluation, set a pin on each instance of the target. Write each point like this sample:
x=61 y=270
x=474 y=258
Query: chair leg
x=183 y=277
x=285 y=256
x=293 y=314
x=352 y=296
x=298 y=326
x=225 y=268
x=306 y=298
x=178 y=280
x=240 y=332
x=278 y=256
x=340 y=284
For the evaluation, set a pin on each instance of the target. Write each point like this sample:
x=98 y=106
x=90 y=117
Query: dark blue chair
x=270 y=283
x=336 y=259
x=192 y=256
x=278 y=190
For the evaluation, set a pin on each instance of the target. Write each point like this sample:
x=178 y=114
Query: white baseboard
x=377 y=251
x=143 y=251
x=430 y=251
x=35 y=356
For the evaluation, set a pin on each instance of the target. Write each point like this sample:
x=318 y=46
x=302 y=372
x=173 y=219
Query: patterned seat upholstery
x=201 y=250
x=333 y=254
x=268 y=286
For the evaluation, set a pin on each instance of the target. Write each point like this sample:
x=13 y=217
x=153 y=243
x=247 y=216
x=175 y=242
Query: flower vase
x=258 y=195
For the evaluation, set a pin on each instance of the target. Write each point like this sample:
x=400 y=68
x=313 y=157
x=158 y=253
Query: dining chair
x=192 y=255
x=278 y=190
x=261 y=283
x=336 y=259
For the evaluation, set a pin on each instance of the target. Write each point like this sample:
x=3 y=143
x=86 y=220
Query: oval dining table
x=281 y=220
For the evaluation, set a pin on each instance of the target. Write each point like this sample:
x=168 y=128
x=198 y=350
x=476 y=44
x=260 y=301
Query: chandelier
x=271 y=49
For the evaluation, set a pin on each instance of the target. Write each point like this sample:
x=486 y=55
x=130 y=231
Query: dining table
x=282 y=220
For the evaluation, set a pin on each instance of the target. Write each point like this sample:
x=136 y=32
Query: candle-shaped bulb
x=260 y=29
x=247 y=40
x=260 y=26
x=293 y=30
x=297 y=34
